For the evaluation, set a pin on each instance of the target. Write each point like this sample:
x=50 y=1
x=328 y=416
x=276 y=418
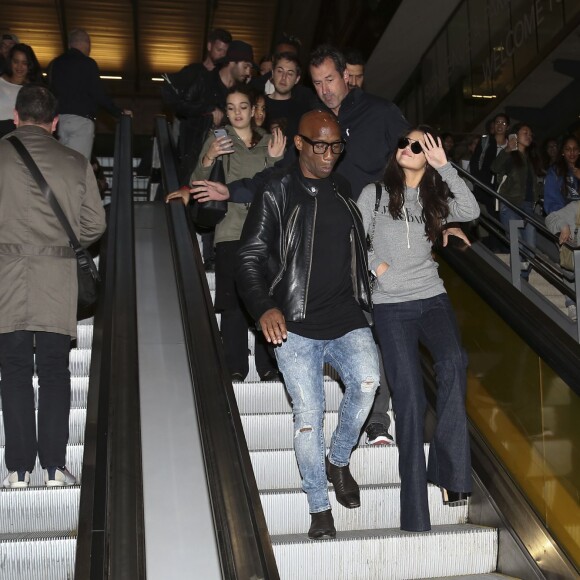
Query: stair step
x=84 y=336
x=39 y=509
x=254 y=377
x=369 y=464
x=276 y=430
x=79 y=391
x=37 y=557
x=479 y=577
x=74 y=463
x=392 y=554
x=286 y=511
x=76 y=427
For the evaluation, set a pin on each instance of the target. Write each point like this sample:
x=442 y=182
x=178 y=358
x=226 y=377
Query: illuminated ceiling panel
x=252 y=21
x=36 y=24
x=171 y=33
x=168 y=34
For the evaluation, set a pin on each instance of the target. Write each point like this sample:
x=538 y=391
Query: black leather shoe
x=454 y=498
x=322 y=526
x=345 y=487
x=271 y=375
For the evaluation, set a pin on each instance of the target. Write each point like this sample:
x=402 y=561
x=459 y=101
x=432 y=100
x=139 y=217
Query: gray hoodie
x=402 y=243
x=564 y=217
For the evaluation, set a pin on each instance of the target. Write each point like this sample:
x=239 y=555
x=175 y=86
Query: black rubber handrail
x=110 y=541
x=243 y=541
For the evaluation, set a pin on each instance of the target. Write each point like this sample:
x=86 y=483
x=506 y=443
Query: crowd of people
x=323 y=186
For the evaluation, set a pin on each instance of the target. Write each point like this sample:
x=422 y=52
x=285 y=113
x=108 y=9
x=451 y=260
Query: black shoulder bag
x=87 y=274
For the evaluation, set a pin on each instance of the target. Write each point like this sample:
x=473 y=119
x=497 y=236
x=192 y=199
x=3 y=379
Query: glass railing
x=523 y=408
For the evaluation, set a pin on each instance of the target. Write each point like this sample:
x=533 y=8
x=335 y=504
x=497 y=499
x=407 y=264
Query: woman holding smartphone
x=517 y=170
x=420 y=193
x=245 y=150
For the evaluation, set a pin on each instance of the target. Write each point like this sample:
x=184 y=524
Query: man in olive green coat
x=38 y=287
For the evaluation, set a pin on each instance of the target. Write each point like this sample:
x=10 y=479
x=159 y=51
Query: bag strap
x=371 y=234
x=46 y=190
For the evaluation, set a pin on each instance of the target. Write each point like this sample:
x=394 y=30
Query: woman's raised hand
x=277 y=143
x=434 y=152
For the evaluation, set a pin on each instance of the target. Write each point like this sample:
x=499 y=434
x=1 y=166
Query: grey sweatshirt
x=403 y=245
x=564 y=217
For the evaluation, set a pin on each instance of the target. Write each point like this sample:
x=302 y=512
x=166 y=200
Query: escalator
x=48 y=533
x=500 y=533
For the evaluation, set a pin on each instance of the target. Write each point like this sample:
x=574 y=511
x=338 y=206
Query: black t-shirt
x=287 y=113
x=331 y=307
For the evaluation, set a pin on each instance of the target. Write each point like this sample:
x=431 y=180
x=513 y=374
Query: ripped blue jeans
x=301 y=361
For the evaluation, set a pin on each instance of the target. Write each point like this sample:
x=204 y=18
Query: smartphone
x=513 y=137
x=220 y=133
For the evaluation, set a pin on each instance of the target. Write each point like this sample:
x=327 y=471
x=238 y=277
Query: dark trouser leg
x=52 y=360
x=234 y=330
x=17 y=364
x=449 y=453
x=397 y=328
x=379 y=412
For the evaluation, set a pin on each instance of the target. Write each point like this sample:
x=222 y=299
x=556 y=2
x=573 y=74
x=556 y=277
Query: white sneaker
x=17 y=480
x=58 y=477
x=572 y=312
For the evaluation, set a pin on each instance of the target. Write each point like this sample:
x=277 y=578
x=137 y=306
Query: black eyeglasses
x=321 y=147
x=415 y=145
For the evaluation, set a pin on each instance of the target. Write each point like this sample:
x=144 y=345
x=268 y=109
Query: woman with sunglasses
x=420 y=193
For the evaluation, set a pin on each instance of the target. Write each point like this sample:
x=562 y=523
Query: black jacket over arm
x=275 y=255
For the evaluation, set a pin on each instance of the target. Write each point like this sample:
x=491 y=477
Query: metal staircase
x=369 y=544
x=38 y=526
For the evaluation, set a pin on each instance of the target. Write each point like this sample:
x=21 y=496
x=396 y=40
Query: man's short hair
x=219 y=34
x=77 y=36
x=324 y=51
x=289 y=56
x=290 y=40
x=354 y=56
x=36 y=104
x=10 y=36
x=504 y=115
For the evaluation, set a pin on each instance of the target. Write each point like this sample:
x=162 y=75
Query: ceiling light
x=111 y=78
x=157 y=79
x=484 y=96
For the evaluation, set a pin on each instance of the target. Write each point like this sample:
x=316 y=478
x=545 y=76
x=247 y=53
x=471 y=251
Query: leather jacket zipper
x=290 y=231
x=310 y=261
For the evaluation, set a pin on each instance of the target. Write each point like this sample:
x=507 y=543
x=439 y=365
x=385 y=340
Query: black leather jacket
x=275 y=257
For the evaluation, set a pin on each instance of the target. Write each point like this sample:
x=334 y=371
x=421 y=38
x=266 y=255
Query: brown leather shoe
x=345 y=487
x=322 y=526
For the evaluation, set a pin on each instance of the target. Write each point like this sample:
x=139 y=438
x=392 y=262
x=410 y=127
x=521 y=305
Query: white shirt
x=8 y=92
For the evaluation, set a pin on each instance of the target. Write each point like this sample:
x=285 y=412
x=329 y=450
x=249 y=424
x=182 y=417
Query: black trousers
x=17 y=350
x=235 y=320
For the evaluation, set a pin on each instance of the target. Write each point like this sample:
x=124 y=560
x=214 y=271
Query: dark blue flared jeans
x=401 y=328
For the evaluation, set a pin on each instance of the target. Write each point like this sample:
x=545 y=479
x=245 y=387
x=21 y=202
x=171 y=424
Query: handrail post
x=515 y=260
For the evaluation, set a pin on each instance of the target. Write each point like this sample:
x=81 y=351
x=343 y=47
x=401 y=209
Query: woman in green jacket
x=245 y=151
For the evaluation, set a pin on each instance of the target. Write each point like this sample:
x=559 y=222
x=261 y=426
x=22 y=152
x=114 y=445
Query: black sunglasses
x=415 y=145
x=321 y=147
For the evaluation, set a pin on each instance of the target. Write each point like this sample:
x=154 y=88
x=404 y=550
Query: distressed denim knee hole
x=368 y=385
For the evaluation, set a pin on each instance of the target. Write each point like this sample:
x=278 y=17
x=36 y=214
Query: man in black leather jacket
x=302 y=273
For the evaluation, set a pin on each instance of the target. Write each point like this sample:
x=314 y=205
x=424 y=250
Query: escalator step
x=39 y=509
x=276 y=431
x=76 y=427
x=371 y=465
x=48 y=557
x=253 y=376
x=286 y=511
x=74 y=463
x=84 y=336
x=368 y=555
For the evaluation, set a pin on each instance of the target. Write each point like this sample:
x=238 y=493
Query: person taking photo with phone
x=244 y=150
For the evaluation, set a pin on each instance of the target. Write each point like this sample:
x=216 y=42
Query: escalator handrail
x=242 y=537
x=529 y=218
x=111 y=533
x=555 y=346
